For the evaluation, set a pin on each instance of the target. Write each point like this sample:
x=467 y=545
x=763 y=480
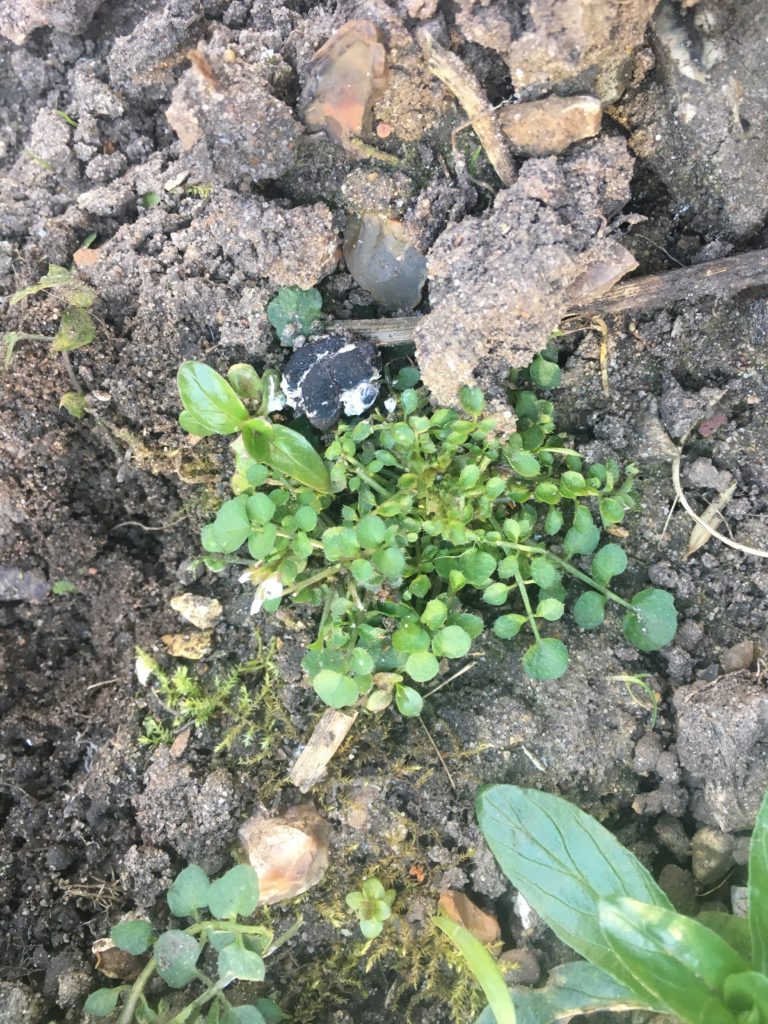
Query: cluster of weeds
x=76 y=329
x=176 y=954
x=243 y=706
x=417 y=529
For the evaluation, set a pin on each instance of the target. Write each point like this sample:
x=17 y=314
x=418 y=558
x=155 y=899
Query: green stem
x=367 y=478
x=324 y=574
x=574 y=572
x=527 y=604
x=129 y=1007
x=213 y=990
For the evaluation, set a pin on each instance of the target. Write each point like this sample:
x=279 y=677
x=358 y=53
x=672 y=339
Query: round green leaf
x=237 y=963
x=410 y=638
x=496 y=594
x=176 y=955
x=245 y=381
x=547 y=492
x=469 y=477
x=390 y=562
x=132 y=936
x=434 y=614
x=419 y=586
x=544 y=374
x=371 y=531
x=472 y=400
x=477 y=567
x=209 y=399
x=550 y=609
x=581 y=541
x=260 y=508
x=507 y=626
x=103 y=1001
x=306 y=518
x=371 y=928
x=362 y=570
x=589 y=610
x=231 y=527
x=611 y=511
x=609 y=561
x=334 y=689
x=422 y=667
x=360 y=662
x=470 y=623
x=546 y=659
x=189 y=892
x=543 y=572
x=451 y=642
x=339 y=542
x=525 y=464
x=235 y=893
x=409 y=702
x=379 y=700
x=261 y=542
x=653 y=622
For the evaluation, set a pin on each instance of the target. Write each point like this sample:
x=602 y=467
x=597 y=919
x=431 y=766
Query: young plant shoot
x=415 y=530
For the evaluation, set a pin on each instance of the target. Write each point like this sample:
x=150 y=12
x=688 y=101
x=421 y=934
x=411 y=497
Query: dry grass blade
x=700 y=534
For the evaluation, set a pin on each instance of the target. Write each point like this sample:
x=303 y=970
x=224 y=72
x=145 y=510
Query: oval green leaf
x=236 y=893
x=653 y=621
x=589 y=610
x=335 y=689
x=209 y=399
x=422 y=667
x=546 y=659
x=237 y=963
x=132 y=936
x=189 y=891
x=176 y=955
x=290 y=453
x=409 y=702
x=103 y=1001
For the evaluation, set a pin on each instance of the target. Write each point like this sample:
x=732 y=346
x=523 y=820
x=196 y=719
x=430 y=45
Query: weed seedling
x=372 y=904
x=414 y=521
x=174 y=956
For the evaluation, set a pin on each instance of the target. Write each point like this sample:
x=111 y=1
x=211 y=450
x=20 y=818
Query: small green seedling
x=76 y=326
x=372 y=904
x=413 y=522
x=484 y=968
x=175 y=955
x=600 y=900
x=294 y=313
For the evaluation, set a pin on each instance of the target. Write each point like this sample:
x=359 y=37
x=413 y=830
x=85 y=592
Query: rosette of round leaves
x=372 y=904
x=216 y=908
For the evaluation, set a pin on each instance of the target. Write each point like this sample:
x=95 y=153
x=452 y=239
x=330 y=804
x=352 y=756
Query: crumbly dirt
x=199 y=217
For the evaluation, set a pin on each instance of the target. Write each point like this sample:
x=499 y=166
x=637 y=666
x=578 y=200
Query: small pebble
x=712 y=855
x=460 y=908
x=739 y=657
x=519 y=967
x=201 y=611
x=192 y=646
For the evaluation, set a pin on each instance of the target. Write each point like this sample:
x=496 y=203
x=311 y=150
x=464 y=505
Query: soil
x=199 y=217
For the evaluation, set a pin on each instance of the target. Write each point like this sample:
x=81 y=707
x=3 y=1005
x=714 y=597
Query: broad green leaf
x=608 y=562
x=189 y=892
x=546 y=659
x=245 y=381
x=188 y=423
x=209 y=399
x=553 y=522
x=472 y=399
x=390 y=562
x=294 y=311
x=589 y=610
x=236 y=893
x=484 y=969
x=563 y=862
x=733 y=930
x=525 y=464
x=747 y=995
x=581 y=541
x=260 y=508
x=76 y=330
x=682 y=964
x=507 y=626
x=410 y=638
x=573 y=988
x=246 y=1014
x=371 y=531
x=451 y=642
x=550 y=609
x=434 y=614
x=543 y=572
x=335 y=689
x=409 y=701
x=653 y=623
x=176 y=955
x=422 y=667
x=75 y=404
x=103 y=1001
x=758 y=889
x=237 y=963
x=544 y=374
x=477 y=567
x=495 y=594
x=262 y=541
x=270 y=1011
x=612 y=511
x=132 y=936
x=290 y=453
x=231 y=527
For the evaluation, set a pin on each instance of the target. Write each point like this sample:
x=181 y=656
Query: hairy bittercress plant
x=176 y=954
x=372 y=904
x=415 y=521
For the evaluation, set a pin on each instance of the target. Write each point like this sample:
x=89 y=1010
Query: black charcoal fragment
x=333 y=375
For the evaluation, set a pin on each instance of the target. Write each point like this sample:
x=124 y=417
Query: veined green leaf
x=758 y=889
x=483 y=967
x=76 y=330
x=575 y=988
x=290 y=453
x=564 y=862
x=209 y=399
x=680 y=962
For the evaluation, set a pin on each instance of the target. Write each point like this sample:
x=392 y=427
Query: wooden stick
x=327 y=736
x=716 y=279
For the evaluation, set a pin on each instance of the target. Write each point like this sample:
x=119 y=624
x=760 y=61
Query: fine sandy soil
x=199 y=215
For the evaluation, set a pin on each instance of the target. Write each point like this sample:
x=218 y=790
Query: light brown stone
x=288 y=853
x=201 y=611
x=463 y=911
x=192 y=646
x=546 y=127
x=520 y=967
